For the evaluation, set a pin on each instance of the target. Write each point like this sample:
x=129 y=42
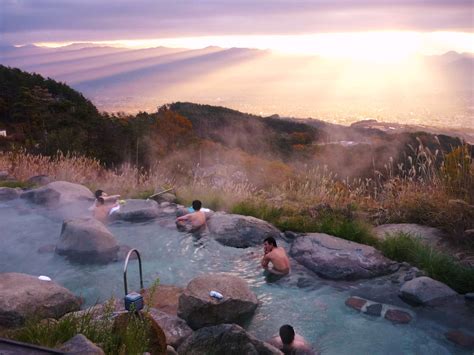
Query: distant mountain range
x=432 y=90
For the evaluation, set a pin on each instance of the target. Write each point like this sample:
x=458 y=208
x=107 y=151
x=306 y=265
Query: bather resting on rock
x=276 y=256
x=197 y=219
x=102 y=210
x=108 y=199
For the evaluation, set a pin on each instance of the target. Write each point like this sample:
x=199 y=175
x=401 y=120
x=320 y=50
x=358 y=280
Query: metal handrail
x=125 y=269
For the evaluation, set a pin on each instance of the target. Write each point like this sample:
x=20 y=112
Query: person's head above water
x=287 y=334
x=197 y=205
x=270 y=240
x=268 y=244
x=98 y=193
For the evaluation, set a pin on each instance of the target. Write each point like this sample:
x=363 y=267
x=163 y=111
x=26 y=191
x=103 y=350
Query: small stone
x=460 y=338
x=408 y=277
x=165 y=204
x=395 y=281
x=356 y=303
x=397 y=316
x=414 y=270
x=469 y=233
x=469 y=296
x=374 y=309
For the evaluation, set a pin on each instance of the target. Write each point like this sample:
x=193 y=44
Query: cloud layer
x=26 y=21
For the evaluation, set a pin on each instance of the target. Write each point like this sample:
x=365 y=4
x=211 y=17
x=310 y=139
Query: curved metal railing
x=125 y=269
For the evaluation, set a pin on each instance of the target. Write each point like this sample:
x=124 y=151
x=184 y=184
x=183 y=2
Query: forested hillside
x=44 y=117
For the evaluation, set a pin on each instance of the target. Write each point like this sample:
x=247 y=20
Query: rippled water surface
x=317 y=312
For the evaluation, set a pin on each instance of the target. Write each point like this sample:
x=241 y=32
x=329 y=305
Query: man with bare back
x=276 y=256
x=197 y=219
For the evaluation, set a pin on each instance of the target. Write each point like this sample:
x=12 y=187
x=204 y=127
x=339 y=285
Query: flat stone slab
x=398 y=316
x=424 y=290
x=429 y=235
x=25 y=296
x=460 y=338
x=339 y=259
x=376 y=309
x=356 y=303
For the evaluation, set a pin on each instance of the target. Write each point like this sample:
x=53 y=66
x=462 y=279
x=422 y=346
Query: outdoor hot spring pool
x=318 y=312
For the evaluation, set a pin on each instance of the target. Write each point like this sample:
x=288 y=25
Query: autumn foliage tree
x=168 y=133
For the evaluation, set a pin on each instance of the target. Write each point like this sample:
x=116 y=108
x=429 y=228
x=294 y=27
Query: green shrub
x=437 y=265
x=334 y=222
x=14 y=184
x=457 y=173
x=97 y=326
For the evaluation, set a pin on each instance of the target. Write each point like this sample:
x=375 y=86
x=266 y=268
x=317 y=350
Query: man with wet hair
x=291 y=343
x=197 y=219
x=275 y=255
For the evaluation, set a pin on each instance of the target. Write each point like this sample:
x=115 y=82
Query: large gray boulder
x=239 y=231
x=24 y=296
x=339 y=259
x=136 y=210
x=7 y=193
x=229 y=339
x=424 y=290
x=429 y=235
x=58 y=193
x=199 y=309
x=175 y=328
x=80 y=345
x=87 y=240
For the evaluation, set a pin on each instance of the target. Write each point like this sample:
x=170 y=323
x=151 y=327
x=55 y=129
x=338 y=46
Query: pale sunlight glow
x=381 y=46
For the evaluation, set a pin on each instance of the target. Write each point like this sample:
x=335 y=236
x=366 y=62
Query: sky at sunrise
x=337 y=28
x=407 y=61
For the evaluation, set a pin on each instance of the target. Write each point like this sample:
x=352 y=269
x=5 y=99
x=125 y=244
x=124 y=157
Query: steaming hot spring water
x=313 y=306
